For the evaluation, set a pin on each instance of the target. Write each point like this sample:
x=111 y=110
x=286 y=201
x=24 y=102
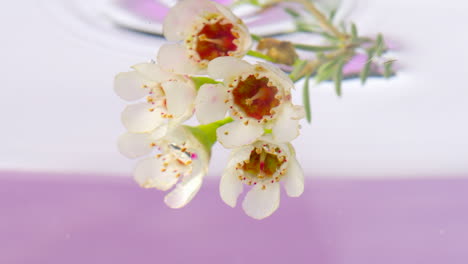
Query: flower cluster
x=246 y=107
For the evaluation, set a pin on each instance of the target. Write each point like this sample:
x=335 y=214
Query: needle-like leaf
x=306 y=99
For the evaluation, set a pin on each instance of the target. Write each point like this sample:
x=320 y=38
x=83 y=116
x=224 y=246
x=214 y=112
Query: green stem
x=259 y=55
x=206 y=134
x=321 y=18
x=200 y=80
x=256 y=37
x=314 y=47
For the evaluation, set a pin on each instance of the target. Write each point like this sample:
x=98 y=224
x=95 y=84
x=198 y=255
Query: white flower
x=208 y=30
x=262 y=165
x=168 y=97
x=182 y=159
x=258 y=98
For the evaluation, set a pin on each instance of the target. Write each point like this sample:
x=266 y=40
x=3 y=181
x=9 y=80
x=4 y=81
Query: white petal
x=224 y=67
x=174 y=58
x=148 y=174
x=226 y=12
x=236 y=134
x=133 y=145
x=286 y=128
x=230 y=187
x=260 y=203
x=282 y=77
x=210 y=105
x=246 y=41
x=165 y=180
x=146 y=171
x=180 y=97
x=294 y=178
x=139 y=118
x=130 y=85
x=298 y=112
x=153 y=72
x=180 y=18
x=159 y=132
x=200 y=163
x=239 y=154
x=183 y=193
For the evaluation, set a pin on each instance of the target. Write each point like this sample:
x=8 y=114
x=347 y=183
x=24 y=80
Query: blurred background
x=386 y=164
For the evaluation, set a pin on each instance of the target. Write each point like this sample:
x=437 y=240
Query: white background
x=58 y=111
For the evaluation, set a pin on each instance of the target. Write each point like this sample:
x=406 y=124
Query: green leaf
x=343 y=27
x=298 y=67
x=366 y=70
x=338 y=77
x=315 y=48
x=354 y=32
x=379 y=45
x=259 y=55
x=256 y=37
x=332 y=15
x=302 y=26
x=292 y=12
x=306 y=99
x=325 y=71
x=328 y=36
x=199 y=81
x=388 y=68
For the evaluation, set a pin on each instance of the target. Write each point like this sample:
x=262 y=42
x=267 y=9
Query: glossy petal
x=226 y=12
x=130 y=85
x=180 y=97
x=146 y=171
x=225 y=67
x=260 y=203
x=230 y=187
x=149 y=173
x=210 y=105
x=164 y=180
x=159 y=132
x=239 y=154
x=286 y=128
x=138 y=118
x=281 y=76
x=180 y=18
x=236 y=134
x=183 y=193
x=294 y=178
x=246 y=41
x=298 y=112
x=174 y=58
x=153 y=72
x=133 y=145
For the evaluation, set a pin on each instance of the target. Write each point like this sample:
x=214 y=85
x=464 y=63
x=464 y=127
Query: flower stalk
x=322 y=20
x=206 y=134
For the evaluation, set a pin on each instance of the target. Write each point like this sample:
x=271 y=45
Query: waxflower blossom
x=168 y=97
x=263 y=166
x=203 y=30
x=258 y=97
x=182 y=162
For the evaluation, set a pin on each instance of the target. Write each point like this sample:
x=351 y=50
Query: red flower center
x=215 y=40
x=262 y=164
x=255 y=97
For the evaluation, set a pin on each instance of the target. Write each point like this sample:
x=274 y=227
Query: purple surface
x=83 y=220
